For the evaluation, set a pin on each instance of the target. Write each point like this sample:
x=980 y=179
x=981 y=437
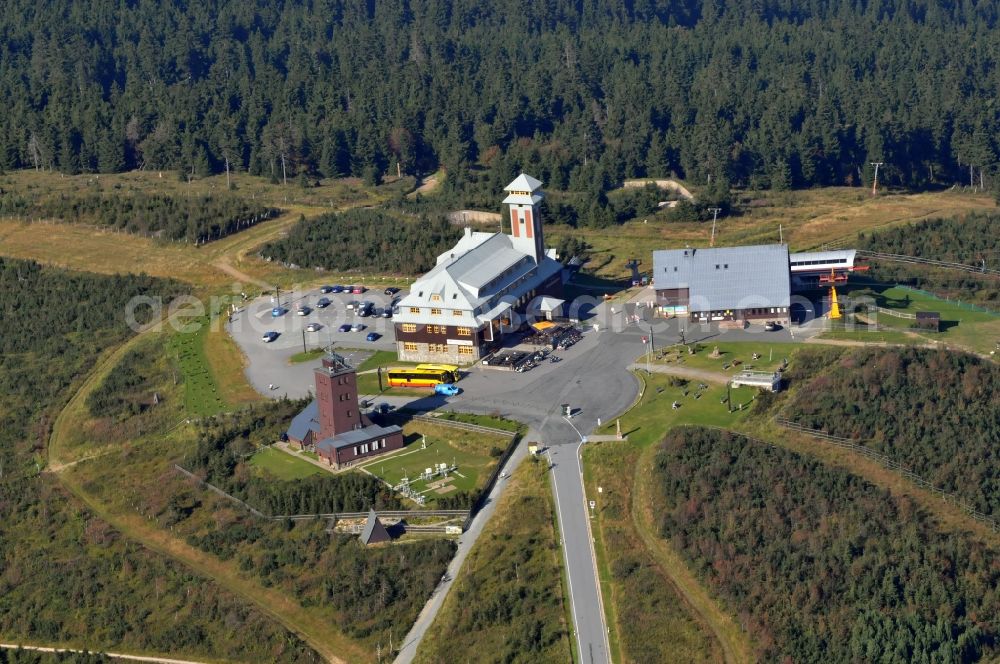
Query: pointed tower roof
x=524 y=190
x=523 y=182
x=374 y=532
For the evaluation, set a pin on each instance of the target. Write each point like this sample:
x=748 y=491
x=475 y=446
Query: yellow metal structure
x=834 y=305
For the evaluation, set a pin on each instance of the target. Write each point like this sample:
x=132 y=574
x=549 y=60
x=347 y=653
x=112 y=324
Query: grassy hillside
x=507 y=603
x=66 y=575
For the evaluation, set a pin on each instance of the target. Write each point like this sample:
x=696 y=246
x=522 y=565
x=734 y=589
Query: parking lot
x=269 y=366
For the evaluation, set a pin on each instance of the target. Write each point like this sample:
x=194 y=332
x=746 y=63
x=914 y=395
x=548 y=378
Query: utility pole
x=304 y=340
x=715 y=215
x=876 y=164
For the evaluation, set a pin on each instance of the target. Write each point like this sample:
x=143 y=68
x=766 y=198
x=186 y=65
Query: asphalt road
x=593 y=380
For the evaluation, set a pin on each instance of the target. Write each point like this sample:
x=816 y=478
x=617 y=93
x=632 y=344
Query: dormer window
x=435 y=298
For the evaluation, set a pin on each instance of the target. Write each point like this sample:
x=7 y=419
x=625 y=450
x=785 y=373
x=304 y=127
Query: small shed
x=374 y=532
x=928 y=320
x=551 y=307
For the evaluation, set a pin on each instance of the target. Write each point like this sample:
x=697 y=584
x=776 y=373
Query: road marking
x=562 y=536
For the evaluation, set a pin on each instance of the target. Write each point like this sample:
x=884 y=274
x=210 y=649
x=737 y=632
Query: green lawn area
x=481 y=420
x=871 y=335
x=201 y=391
x=650 y=419
x=960 y=324
x=307 y=356
x=771 y=355
x=282 y=465
x=468 y=450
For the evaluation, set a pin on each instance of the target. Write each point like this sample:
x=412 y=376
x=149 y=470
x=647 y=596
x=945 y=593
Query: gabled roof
x=523 y=182
x=374 y=532
x=307 y=420
x=724 y=278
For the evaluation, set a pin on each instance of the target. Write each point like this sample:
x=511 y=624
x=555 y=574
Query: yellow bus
x=450 y=368
x=422 y=375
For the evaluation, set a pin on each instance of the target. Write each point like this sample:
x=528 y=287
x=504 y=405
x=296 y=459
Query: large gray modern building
x=741 y=284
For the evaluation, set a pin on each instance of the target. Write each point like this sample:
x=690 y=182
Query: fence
x=894 y=465
x=893 y=312
x=400 y=514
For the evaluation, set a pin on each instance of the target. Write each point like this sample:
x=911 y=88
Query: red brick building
x=333 y=425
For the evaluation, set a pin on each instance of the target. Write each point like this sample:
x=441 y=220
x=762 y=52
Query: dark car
x=337 y=289
x=386 y=313
x=313 y=327
x=373 y=336
x=346 y=327
x=323 y=302
x=269 y=336
x=391 y=290
x=326 y=289
x=303 y=311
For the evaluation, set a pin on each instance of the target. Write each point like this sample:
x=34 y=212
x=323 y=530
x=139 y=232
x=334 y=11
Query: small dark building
x=929 y=320
x=374 y=532
x=346 y=448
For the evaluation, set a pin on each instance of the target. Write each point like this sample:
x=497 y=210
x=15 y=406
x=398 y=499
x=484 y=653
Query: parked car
x=358 y=290
x=353 y=305
x=338 y=289
x=346 y=327
x=383 y=408
x=269 y=336
x=357 y=327
x=326 y=289
x=323 y=302
x=386 y=313
x=278 y=311
x=771 y=326
x=313 y=327
x=447 y=389
x=391 y=290
x=373 y=336
x=303 y=311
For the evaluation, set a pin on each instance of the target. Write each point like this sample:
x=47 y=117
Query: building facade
x=479 y=289
x=723 y=284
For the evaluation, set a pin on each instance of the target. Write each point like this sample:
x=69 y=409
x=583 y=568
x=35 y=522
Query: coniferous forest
x=818 y=564
x=936 y=412
x=776 y=93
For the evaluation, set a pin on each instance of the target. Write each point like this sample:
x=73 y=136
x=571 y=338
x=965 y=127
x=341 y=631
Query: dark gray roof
x=374 y=531
x=722 y=278
x=305 y=421
x=356 y=437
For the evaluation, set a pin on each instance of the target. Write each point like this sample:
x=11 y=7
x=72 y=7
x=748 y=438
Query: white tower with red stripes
x=524 y=197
